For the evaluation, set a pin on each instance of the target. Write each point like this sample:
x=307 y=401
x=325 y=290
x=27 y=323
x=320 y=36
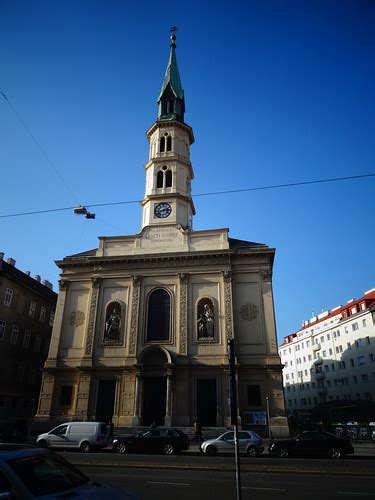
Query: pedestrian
x=197 y=427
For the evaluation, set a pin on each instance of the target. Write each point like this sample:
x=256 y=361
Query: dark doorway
x=206 y=401
x=154 y=399
x=106 y=400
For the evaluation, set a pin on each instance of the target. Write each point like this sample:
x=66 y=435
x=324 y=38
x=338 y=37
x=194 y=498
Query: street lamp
x=268 y=416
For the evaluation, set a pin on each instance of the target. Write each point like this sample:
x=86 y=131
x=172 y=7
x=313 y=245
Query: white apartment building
x=331 y=357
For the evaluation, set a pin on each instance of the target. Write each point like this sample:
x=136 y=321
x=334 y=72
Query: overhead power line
x=213 y=193
x=37 y=143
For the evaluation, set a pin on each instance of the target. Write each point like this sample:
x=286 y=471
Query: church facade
x=142 y=322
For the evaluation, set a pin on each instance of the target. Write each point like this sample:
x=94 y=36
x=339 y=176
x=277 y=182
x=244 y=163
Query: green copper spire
x=171 y=103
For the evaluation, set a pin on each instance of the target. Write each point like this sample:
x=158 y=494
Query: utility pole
x=233 y=411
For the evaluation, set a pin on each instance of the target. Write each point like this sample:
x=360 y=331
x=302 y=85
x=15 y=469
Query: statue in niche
x=113 y=323
x=206 y=320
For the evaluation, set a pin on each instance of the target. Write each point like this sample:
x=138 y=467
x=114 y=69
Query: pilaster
x=91 y=328
x=184 y=281
x=228 y=304
x=134 y=315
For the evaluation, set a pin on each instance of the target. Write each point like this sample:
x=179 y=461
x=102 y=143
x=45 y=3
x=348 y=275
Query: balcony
x=318 y=361
x=316 y=347
x=319 y=375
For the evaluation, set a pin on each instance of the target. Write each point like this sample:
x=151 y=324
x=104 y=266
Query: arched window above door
x=158 y=316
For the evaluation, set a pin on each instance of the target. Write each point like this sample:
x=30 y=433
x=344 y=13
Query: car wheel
x=335 y=453
x=168 y=449
x=42 y=444
x=86 y=447
x=283 y=453
x=211 y=451
x=252 y=451
x=121 y=448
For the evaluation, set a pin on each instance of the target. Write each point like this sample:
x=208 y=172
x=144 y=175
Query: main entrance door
x=105 y=401
x=206 y=401
x=154 y=399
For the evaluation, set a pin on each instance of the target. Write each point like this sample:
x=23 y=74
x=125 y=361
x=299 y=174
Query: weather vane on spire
x=173 y=36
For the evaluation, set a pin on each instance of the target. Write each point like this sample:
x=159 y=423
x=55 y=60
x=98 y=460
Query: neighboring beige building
x=142 y=322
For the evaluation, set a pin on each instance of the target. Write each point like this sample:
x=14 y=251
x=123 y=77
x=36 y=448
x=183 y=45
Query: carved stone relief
x=227 y=276
x=184 y=279
x=92 y=315
x=77 y=318
x=248 y=312
x=134 y=314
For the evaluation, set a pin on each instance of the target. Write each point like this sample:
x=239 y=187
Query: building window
x=367 y=340
x=169 y=142
x=158 y=317
x=26 y=340
x=364 y=323
x=330 y=352
x=253 y=395
x=162 y=144
x=42 y=315
x=66 y=395
x=37 y=343
x=354 y=327
x=8 y=297
x=51 y=318
x=358 y=343
x=353 y=310
x=371 y=357
x=32 y=309
x=349 y=345
x=3 y=325
x=168 y=178
x=328 y=336
x=364 y=377
x=14 y=334
x=361 y=360
x=351 y=362
x=355 y=380
x=159 y=179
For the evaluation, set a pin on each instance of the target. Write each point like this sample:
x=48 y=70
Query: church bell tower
x=168 y=171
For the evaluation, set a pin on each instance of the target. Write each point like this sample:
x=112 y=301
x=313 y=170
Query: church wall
x=75 y=320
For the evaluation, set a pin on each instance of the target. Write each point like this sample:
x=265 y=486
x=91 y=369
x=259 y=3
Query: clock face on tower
x=163 y=210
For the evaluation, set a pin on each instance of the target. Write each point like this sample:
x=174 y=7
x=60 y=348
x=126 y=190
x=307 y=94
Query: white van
x=85 y=436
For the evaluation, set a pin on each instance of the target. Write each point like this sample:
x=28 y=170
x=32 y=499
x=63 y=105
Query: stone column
x=268 y=311
x=228 y=304
x=168 y=399
x=134 y=315
x=91 y=324
x=57 y=325
x=46 y=395
x=137 y=417
x=184 y=280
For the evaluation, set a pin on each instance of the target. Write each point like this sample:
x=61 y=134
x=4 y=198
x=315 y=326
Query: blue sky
x=276 y=92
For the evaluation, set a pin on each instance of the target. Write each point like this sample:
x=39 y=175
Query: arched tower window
x=158 y=317
x=159 y=179
x=168 y=178
x=169 y=143
x=162 y=144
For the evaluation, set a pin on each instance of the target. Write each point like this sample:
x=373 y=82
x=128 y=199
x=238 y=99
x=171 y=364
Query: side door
x=57 y=438
x=226 y=442
x=305 y=445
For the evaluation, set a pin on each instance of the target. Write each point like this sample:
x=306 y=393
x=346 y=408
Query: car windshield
x=47 y=474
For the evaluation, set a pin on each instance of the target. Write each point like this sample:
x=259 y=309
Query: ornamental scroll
x=92 y=315
x=184 y=279
x=134 y=314
x=227 y=276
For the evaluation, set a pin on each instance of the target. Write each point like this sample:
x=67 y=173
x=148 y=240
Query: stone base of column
x=167 y=421
x=136 y=421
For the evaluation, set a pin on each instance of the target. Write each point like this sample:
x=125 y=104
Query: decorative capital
x=184 y=277
x=227 y=275
x=266 y=275
x=136 y=280
x=63 y=285
x=96 y=282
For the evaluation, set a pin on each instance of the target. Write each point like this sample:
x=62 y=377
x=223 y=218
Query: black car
x=311 y=444
x=166 y=441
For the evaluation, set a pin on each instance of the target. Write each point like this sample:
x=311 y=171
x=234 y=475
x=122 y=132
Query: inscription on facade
x=160 y=235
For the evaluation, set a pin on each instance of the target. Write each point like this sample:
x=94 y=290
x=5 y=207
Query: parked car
x=311 y=444
x=167 y=441
x=85 y=436
x=248 y=442
x=29 y=472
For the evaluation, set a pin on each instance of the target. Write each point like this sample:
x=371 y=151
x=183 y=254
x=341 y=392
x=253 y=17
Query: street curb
x=244 y=468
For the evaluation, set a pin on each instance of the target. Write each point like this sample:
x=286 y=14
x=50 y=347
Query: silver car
x=248 y=441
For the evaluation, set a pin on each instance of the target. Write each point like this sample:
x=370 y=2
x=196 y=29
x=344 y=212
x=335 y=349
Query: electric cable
x=213 y=193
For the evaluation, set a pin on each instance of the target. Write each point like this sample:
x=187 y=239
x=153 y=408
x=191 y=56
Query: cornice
x=173 y=123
